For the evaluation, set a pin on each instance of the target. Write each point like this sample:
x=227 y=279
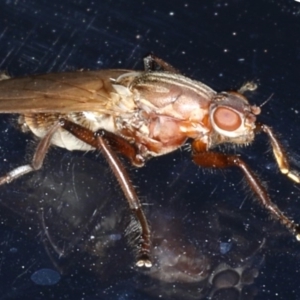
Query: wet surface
x=67 y=222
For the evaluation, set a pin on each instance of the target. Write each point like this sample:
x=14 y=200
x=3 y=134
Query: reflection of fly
x=139 y=114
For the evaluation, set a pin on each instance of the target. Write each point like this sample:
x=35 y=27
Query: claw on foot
x=144 y=263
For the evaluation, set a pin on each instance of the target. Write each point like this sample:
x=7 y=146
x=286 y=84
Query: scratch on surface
x=25 y=271
x=3 y=32
x=6 y=57
x=242 y=203
x=73 y=183
x=136 y=47
x=213 y=191
x=62 y=65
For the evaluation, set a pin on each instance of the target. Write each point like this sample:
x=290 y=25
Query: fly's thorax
x=171 y=94
x=175 y=102
x=170 y=109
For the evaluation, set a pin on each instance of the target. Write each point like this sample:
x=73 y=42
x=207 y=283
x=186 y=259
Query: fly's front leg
x=37 y=160
x=248 y=86
x=221 y=160
x=279 y=153
x=101 y=140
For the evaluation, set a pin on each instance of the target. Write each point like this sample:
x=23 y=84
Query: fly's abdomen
x=40 y=124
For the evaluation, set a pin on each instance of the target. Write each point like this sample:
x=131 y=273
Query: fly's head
x=232 y=119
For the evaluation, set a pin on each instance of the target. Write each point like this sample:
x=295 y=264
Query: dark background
x=221 y=43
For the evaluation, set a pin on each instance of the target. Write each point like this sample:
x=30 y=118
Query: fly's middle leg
x=37 y=160
x=103 y=141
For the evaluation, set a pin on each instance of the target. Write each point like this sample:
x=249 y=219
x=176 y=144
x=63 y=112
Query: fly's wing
x=59 y=92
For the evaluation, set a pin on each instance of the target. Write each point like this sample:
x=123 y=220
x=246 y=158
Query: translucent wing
x=59 y=92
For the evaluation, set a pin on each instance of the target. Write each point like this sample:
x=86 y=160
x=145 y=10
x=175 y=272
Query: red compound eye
x=227 y=119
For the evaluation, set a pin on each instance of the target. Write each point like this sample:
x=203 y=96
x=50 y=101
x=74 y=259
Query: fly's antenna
x=265 y=102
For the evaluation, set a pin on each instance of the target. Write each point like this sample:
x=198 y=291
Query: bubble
x=115 y=237
x=45 y=277
x=225 y=247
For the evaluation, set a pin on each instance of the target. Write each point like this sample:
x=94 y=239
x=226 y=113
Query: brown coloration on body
x=139 y=114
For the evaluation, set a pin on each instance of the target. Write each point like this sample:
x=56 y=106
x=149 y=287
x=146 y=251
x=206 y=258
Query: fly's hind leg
x=37 y=160
x=107 y=142
x=154 y=63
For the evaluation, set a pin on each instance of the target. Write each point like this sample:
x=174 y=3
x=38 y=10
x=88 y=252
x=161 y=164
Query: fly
x=140 y=114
